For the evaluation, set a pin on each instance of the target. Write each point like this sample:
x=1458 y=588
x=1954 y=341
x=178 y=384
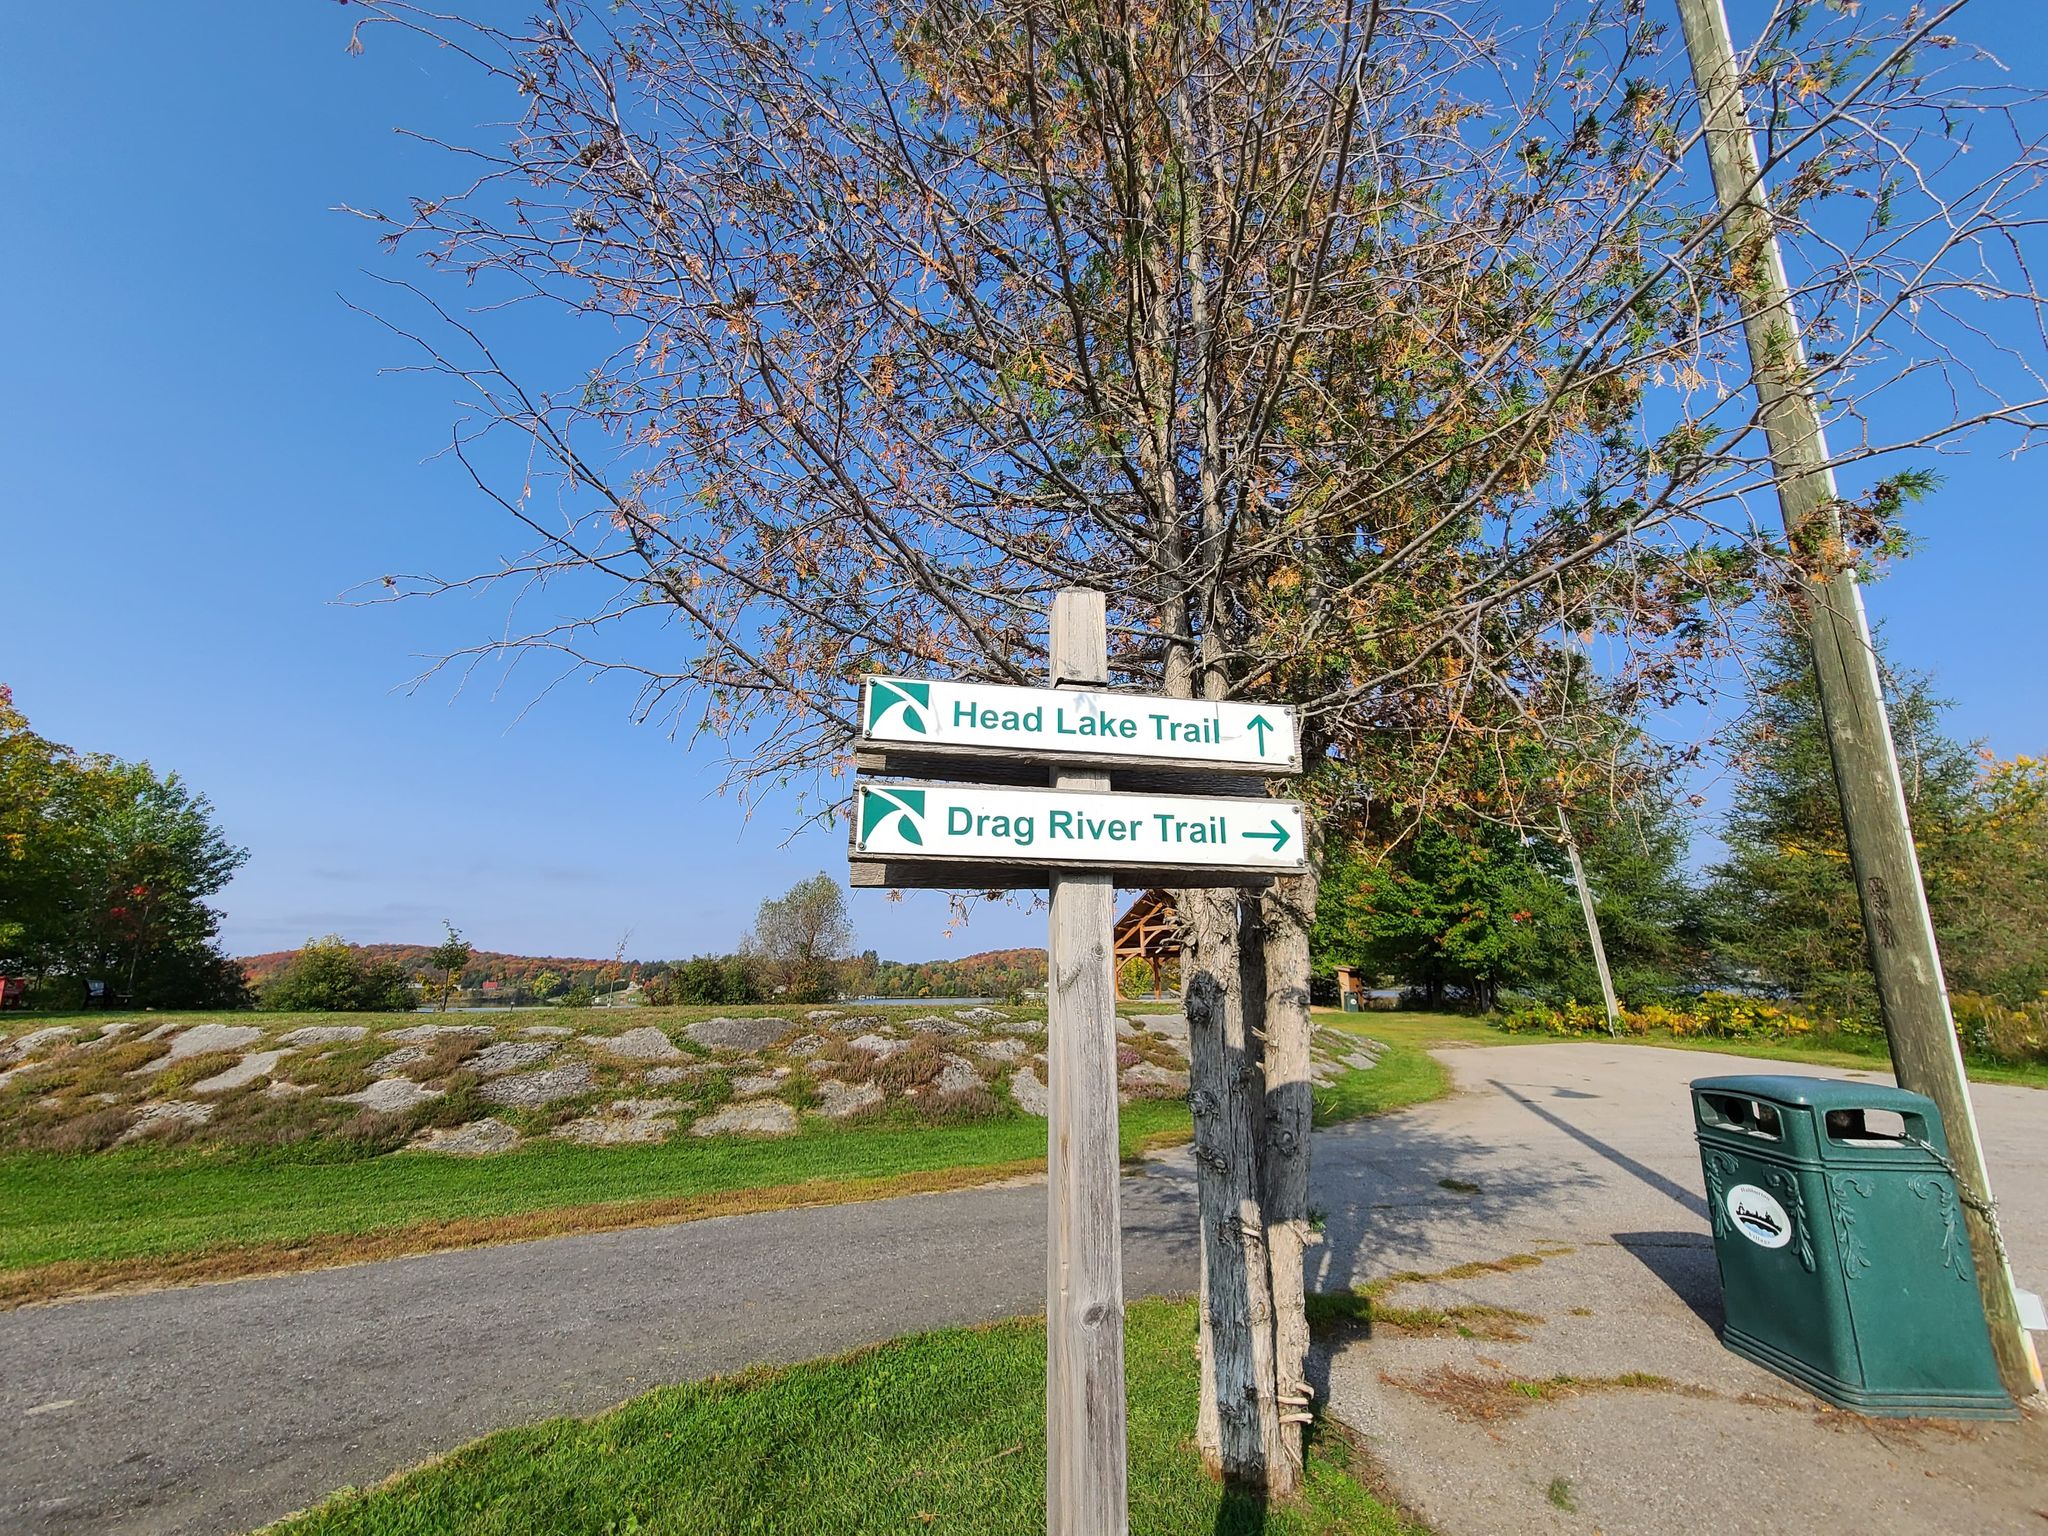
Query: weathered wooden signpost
x=1123 y=790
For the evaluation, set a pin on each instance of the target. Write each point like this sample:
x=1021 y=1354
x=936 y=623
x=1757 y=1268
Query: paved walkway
x=219 y=1407
x=1583 y=1154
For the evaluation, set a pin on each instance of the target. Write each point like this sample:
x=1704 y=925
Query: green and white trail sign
x=1076 y=725
x=1053 y=828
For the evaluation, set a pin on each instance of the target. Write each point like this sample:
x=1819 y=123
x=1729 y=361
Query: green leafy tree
x=700 y=980
x=1468 y=900
x=546 y=985
x=330 y=975
x=1471 y=909
x=449 y=957
x=1783 y=903
x=41 y=845
x=1995 y=888
x=1651 y=921
x=105 y=871
x=152 y=856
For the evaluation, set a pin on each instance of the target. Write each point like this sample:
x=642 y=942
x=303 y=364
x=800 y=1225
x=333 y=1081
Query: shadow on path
x=1393 y=1191
x=1614 y=1155
x=1685 y=1262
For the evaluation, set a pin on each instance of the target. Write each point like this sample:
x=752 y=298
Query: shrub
x=713 y=979
x=1988 y=1029
x=2012 y=1036
x=331 y=976
x=1571 y=1020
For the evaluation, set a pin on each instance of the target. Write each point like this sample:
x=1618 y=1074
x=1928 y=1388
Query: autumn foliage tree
x=804 y=938
x=1370 y=356
x=106 y=870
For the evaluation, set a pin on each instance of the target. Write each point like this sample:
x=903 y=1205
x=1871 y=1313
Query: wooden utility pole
x=1571 y=848
x=1900 y=934
x=1084 y=1282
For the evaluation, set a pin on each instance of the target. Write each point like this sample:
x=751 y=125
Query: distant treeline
x=706 y=978
x=484 y=966
x=992 y=973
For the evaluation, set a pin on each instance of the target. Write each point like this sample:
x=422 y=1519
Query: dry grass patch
x=173 y=1080
x=1471 y=1270
x=1366 y=1307
x=65 y=1134
x=1473 y=1320
x=81 y=1070
x=1480 y=1397
x=1363 y=1309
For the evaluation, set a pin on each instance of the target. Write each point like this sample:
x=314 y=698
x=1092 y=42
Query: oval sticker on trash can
x=1758 y=1217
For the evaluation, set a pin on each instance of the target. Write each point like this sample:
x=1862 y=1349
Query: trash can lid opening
x=1741 y=1114
x=1870 y=1127
x=1821 y=1093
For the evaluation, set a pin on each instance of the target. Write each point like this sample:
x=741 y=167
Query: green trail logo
x=906 y=805
x=914 y=699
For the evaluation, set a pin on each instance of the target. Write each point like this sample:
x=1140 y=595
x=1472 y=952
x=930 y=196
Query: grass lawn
x=1427 y=1031
x=1406 y=1074
x=170 y=1214
x=134 y=1214
x=943 y=1431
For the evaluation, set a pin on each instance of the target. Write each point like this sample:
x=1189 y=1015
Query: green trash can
x=1844 y=1263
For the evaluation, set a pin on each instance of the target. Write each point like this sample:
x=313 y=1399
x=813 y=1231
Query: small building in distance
x=1148 y=947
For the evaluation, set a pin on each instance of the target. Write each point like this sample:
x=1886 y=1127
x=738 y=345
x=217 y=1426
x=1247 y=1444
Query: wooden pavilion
x=1149 y=931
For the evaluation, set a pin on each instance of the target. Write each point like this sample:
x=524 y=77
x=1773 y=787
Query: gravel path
x=219 y=1407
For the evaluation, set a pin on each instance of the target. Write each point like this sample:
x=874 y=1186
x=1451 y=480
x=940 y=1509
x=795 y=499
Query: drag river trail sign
x=1074 y=790
x=1170 y=834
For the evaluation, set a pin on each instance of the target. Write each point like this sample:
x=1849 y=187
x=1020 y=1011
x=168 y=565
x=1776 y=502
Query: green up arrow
x=1262 y=725
x=1277 y=837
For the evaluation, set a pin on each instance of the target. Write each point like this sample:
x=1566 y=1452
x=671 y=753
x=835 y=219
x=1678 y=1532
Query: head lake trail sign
x=1065 y=829
x=942 y=718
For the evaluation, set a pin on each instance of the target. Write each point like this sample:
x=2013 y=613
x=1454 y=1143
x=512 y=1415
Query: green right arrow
x=1277 y=837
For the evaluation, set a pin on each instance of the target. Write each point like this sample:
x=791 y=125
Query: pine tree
x=1783 y=904
x=1635 y=853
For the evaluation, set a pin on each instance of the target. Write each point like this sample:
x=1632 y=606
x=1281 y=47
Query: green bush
x=331 y=976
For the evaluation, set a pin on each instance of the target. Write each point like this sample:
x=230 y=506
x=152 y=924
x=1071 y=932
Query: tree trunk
x=1239 y=1424
x=1288 y=912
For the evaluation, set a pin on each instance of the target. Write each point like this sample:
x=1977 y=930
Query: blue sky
x=202 y=456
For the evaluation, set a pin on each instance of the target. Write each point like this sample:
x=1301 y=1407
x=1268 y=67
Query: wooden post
x=1084 y=1285
x=1897 y=928
x=1571 y=847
